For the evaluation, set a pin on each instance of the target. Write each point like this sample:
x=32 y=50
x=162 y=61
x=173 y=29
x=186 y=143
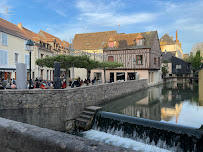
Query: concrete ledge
x=16 y=136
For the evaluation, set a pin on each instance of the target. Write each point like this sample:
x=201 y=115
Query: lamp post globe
x=30 y=47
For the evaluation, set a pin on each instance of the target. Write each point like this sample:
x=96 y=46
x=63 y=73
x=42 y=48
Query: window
x=42 y=55
x=139 y=59
x=3 y=57
x=42 y=74
x=140 y=42
x=159 y=61
x=4 y=39
x=188 y=66
x=178 y=66
x=111 y=45
x=16 y=57
x=25 y=44
x=27 y=60
x=155 y=61
x=110 y=58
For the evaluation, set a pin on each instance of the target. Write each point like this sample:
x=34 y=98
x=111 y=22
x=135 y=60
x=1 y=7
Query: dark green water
x=176 y=103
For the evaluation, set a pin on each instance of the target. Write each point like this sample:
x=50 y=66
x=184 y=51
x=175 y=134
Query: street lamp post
x=30 y=47
x=134 y=67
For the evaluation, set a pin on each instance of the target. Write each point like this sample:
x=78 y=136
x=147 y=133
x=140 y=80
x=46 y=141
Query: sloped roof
x=128 y=40
x=51 y=38
x=167 y=56
x=12 y=29
x=34 y=36
x=66 y=43
x=166 y=39
x=97 y=40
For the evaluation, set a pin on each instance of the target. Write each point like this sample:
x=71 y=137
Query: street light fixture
x=134 y=67
x=30 y=47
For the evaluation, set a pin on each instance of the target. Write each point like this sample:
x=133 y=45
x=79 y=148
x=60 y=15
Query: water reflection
x=201 y=87
x=174 y=103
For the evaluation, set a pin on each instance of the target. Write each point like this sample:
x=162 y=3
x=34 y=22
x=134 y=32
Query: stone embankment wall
x=54 y=109
x=20 y=137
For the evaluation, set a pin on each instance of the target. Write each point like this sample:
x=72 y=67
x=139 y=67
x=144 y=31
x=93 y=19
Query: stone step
x=89 y=113
x=82 y=120
x=93 y=108
x=87 y=117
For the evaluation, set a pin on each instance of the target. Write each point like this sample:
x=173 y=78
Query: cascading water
x=144 y=135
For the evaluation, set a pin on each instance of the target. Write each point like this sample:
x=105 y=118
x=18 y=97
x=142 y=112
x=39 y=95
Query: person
x=4 y=82
x=14 y=82
x=13 y=86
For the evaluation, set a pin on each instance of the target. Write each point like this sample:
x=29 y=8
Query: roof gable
x=51 y=38
x=12 y=29
x=166 y=40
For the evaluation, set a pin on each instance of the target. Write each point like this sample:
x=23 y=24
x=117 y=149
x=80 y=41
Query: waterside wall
x=56 y=109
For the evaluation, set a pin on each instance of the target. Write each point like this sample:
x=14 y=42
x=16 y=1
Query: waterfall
x=163 y=135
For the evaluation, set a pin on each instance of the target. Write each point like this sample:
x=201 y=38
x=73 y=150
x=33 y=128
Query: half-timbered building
x=140 y=54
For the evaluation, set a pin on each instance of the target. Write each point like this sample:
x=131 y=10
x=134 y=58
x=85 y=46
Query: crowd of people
x=44 y=84
x=8 y=84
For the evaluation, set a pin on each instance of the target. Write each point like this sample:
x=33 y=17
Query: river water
x=176 y=103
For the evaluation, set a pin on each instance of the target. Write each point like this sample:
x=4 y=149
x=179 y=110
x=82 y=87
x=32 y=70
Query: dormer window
x=111 y=44
x=140 y=42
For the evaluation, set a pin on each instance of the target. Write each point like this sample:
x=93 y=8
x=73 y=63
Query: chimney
x=20 y=25
x=176 y=35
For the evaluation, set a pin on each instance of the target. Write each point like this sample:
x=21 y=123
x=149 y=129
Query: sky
x=65 y=18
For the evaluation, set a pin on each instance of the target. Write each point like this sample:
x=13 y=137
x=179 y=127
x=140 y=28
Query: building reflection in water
x=201 y=88
x=158 y=103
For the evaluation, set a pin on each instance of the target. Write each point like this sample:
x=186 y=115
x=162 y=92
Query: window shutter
x=4 y=39
x=3 y=57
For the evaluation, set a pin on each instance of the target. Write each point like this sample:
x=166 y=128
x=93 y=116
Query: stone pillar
x=115 y=77
x=21 y=76
x=57 y=82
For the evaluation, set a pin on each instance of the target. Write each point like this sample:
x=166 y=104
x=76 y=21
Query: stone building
x=56 y=45
x=41 y=50
x=12 y=49
x=169 y=45
x=139 y=52
x=93 y=43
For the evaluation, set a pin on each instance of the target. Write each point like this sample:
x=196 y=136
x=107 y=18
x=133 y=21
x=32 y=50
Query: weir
x=168 y=136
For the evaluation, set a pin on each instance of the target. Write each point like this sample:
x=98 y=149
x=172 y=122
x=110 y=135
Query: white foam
x=121 y=141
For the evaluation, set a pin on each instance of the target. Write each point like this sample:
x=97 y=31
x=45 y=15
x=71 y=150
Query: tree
x=67 y=61
x=196 y=60
x=196 y=47
x=165 y=68
x=109 y=64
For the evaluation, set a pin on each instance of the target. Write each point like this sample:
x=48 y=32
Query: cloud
x=107 y=14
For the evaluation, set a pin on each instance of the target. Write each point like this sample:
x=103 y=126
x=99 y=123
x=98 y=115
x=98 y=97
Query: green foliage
x=165 y=67
x=65 y=61
x=109 y=64
x=195 y=60
x=83 y=61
